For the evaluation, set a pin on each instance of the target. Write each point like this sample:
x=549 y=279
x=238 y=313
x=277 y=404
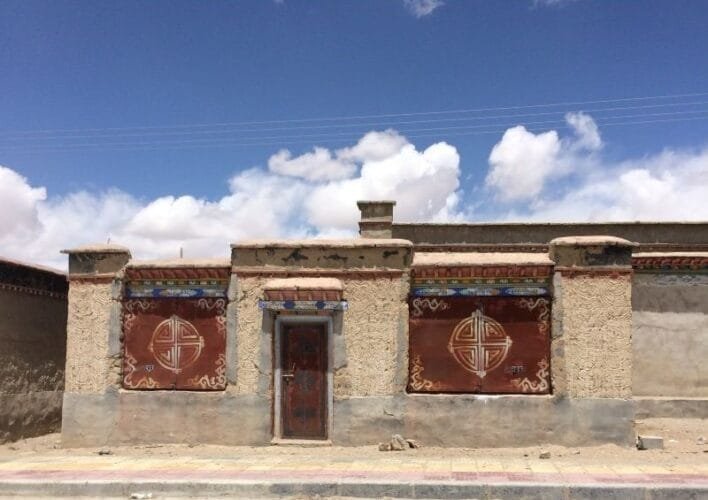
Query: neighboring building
x=455 y=335
x=33 y=306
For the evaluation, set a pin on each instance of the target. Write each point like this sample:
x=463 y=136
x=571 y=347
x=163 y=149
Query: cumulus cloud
x=671 y=185
x=319 y=165
x=324 y=165
x=19 y=214
x=523 y=162
x=422 y=8
x=420 y=182
x=311 y=195
x=525 y=169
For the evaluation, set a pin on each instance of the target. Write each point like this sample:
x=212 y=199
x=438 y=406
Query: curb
x=367 y=489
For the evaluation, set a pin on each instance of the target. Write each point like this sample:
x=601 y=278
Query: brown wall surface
x=670 y=335
x=32 y=354
x=504 y=233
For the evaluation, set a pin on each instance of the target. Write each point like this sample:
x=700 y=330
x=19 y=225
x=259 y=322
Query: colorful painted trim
x=481 y=291
x=303 y=305
x=176 y=288
x=355 y=274
x=490 y=272
x=303 y=295
x=177 y=273
x=671 y=264
x=482 y=281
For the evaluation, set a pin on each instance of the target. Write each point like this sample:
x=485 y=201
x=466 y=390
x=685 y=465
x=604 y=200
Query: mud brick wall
x=370 y=337
x=670 y=325
x=592 y=317
x=33 y=308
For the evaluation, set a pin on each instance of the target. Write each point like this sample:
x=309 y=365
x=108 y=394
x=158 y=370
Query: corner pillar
x=93 y=361
x=591 y=343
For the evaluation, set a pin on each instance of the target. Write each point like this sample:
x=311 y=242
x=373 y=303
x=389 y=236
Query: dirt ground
x=685 y=443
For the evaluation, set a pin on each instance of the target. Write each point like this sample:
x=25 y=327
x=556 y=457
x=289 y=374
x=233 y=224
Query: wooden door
x=304 y=382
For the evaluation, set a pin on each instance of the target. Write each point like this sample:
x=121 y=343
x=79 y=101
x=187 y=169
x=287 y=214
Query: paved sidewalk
x=347 y=472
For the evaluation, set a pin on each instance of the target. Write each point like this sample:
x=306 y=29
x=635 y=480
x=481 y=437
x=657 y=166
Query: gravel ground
x=685 y=442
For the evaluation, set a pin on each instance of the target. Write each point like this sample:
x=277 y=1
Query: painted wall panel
x=479 y=344
x=174 y=344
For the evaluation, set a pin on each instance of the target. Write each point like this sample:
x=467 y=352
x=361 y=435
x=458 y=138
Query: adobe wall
x=597 y=336
x=32 y=350
x=91 y=366
x=591 y=362
x=677 y=233
x=670 y=331
x=369 y=342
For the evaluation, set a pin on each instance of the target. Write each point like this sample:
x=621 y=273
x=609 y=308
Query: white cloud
x=420 y=182
x=522 y=162
x=586 y=131
x=672 y=185
x=525 y=169
x=324 y=165
x=422 y=8
x=19 y=204
x=319 y=165
x=534 y=176
x=551 y=3
x=296 y=197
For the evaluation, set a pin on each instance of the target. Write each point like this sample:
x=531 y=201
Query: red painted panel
x=304 y=368
x=480 y=344
x=174 y=344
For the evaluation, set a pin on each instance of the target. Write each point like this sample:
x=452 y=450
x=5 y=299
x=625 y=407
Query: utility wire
x=379 y=125
x=149 y=147
x=360 y=117
x=326 y=135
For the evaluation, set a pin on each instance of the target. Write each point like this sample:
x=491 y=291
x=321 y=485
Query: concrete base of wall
x=484 y=421
x=165 y=417
x=28 y=415
x=649 y=407
x=435 y=420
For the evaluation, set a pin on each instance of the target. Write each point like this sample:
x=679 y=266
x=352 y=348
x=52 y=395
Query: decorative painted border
x=490 y=291
x=486 y=281
x=177 y=273
x=508 y=272
x=176 y=288
x=671 y=264
x=303 y=305
x=303 y=295
x=318 y=273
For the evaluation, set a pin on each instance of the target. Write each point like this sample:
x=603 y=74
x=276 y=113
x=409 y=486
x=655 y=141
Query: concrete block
x=650 y=443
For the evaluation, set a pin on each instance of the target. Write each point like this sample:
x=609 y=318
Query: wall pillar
x=376 y=219
x=93 y=340
x=591 y=344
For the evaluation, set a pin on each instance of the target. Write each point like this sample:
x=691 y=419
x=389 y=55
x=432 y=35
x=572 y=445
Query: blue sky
x=121 y=102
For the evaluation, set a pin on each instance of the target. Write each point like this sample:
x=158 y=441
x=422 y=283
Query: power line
x=360 y=117
x=326 y=135
x=150 y=147
x=380 y=125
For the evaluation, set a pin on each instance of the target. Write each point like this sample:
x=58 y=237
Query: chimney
x=376 y=218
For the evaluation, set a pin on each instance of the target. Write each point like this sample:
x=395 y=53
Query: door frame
x=280 y=323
